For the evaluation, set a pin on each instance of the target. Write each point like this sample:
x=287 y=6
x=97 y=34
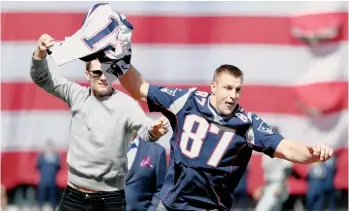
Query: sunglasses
x=96 y=74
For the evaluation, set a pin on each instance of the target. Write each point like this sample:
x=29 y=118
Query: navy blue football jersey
x=209 y=152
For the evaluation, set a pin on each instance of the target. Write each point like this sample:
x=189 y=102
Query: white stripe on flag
x=270 y=65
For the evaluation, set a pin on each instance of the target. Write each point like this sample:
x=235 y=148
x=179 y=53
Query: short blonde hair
x=227 y=68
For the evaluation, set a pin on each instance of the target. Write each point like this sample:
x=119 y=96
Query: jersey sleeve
x=262 y=136
x=171 y=99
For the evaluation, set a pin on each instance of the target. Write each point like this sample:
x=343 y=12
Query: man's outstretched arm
x=267 y=140
x=135 y=84
x=298 y=152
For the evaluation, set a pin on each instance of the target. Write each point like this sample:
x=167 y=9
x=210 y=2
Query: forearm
x=147 y=125
x=145 y=132
x=135 y=84
x=40 y=74
x=295 y=152
x=140 y=122
x=59 y=87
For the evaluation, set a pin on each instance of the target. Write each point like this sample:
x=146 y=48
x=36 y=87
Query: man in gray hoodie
x=101 y=128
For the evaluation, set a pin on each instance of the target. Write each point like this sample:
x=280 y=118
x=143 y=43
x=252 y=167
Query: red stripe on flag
x=329 y=97
x=165 y=29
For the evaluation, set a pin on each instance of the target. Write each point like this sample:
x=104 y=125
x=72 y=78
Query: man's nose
x=233 y=94
x=103 y=78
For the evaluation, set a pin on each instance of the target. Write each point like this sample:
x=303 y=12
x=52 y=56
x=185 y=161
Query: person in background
x=3 y=197
x=147 y=170
x=329 y=187
x=321 y=186
x=274 y=193
x=48 y=164
x=315 y=191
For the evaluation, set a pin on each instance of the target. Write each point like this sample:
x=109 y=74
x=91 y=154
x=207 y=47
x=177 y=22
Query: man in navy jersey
x=213 y=140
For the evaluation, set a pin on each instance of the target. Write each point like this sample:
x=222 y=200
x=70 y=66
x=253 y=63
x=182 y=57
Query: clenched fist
x=45 y=42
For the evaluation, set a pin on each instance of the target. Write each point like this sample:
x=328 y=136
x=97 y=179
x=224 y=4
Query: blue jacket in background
x=146 y=176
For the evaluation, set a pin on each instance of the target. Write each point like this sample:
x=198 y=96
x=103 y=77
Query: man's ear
x=87 y=75
x=213 y=87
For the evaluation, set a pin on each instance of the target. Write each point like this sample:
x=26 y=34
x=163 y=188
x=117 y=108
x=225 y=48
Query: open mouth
x=230 y=104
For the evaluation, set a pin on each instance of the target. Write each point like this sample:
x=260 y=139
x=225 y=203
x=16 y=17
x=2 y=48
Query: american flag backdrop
x=298 y=86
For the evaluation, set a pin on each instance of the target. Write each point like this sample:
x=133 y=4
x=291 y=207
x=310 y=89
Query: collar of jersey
x=216 y=113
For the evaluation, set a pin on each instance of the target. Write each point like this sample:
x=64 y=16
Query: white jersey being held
x=105 y=34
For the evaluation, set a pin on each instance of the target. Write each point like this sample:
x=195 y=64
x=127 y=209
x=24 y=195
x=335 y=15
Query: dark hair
x=227 y=68
x=88 y=64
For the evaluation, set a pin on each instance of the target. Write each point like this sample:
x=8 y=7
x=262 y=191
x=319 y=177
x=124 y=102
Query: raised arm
x=135 y=84
x=60 y=87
